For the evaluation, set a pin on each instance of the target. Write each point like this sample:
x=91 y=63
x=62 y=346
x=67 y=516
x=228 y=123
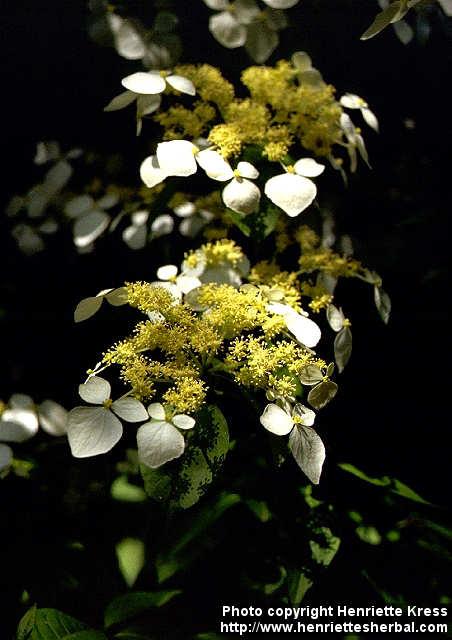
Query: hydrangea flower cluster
x=218 y=316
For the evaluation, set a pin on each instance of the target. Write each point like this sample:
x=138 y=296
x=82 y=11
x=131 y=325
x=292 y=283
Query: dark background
x=392 y=414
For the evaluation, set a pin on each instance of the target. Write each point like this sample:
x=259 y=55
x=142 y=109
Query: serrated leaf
x=320 y=395
x=157 y=482
x=383 y=303
x=131 y=604
x=196 y=474
x=310 y=375
x=343 y=348
x=391 y=13
x=47 y=624
x=87 y=308
x=217 y=427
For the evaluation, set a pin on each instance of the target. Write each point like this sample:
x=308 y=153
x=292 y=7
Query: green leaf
x=383 y=303
x=260 y=509
x=131 y=604
x=393 y=484
x=87 y=308
x=195 y=476
x=131 y=556
x=406 y=492
x=239 y=222
x=391 y=13
x=298 y=584
x=122 y=490
x=268 y=220
x=379 y=482
x=320 y=395
x=324 y=554
x=343 y=348
x=91 y=634
x=47 y=624
x=368 y=534
x=157 y=482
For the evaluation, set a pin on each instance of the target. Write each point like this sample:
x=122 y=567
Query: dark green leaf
x=91 y=634
x=379 y=482
x=124 y=491
x=157 y=482
x=131 y=604
x=240 y=222
x=298 y=584
x=324 y=553
x=47 y=624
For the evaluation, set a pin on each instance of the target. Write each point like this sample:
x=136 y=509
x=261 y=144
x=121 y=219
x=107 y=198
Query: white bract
x=176 y=284
x=193 y=219
x=242 y=23
x=306 y=446
x=135 y=234
x=294 y=191
x=354 y=141
x=224 y=272
x=145 y=87
x=160 y=440
x=305 y=330
x=240 y=195
x=352 y=101
x=306 y=73
x=95 y=430
x=90 y=217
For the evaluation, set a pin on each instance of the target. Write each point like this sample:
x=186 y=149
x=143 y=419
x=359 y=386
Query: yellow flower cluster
x=279 y=112
x=216 y=253
x=327 y=261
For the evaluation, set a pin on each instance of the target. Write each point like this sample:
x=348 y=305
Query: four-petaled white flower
x=145 y=87
x=177 y=285
x=160 y=440
x=240 y=195
x=95 y=430
x=306 y=446
x=293 y=191
x=21 y=419
x=305 y=330
x=242 y=23
x=352 y=101
x=193 y=219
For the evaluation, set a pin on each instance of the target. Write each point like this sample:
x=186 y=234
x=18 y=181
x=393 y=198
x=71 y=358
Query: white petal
x=351 y=101
x=301 y=61
x=247 y=170
x=305 y=330
x=135 y=236
x=308 y=450
x=6 y=455
x=335 y=317
x=140 y=217
x=306 y=414
x=246 y=11
x=279 y=307
x=261 y=41
x=162 y=225
x=18 y=425
x=151 y=173
x=214 y=165
x=78 y=206
x=120 y=101
x=159 y=442
x=370 y=118
x=281 y=4
x=308 y=168
x=144 y=83
x=183 y=422
x=148 y=104
x=225 y=28
x=108 y=201
x=92 y=431
x=218 y=5
x=190 y=227
x=348 y=127
x=184 y=85
x=241 y=196
x=89 y=227
x=167 y=272
x=276 y=420
x=185 y=210
x=172 y=288
x=187 y=283
x=291 y=192
x=95 y=391
x=129 y=43
x=21 y=401
x=177 y=157
x=129 y=409
x=52 y=417
x=156 y=411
